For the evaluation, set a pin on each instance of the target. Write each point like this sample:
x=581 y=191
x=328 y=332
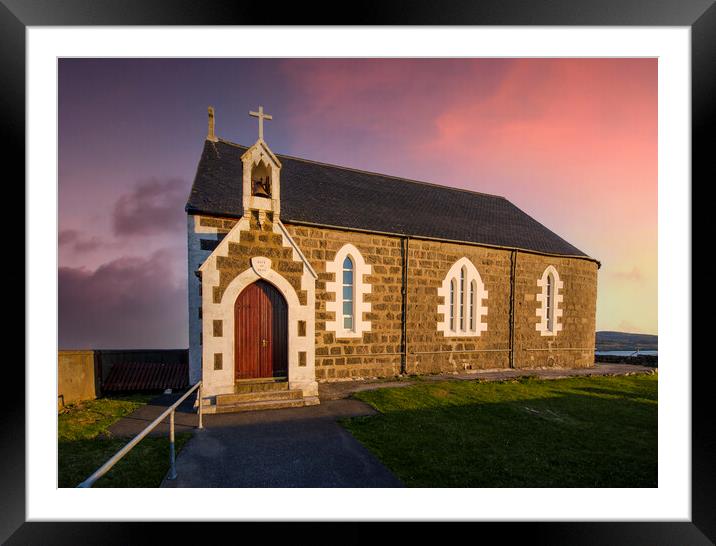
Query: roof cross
x=260 y=114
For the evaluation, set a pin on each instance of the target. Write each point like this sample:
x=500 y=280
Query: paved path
x=300 y=447
x=185 y=418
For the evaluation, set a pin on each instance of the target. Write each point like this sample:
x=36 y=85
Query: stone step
x=263 y=405
x=224 y=399
x=273 y=385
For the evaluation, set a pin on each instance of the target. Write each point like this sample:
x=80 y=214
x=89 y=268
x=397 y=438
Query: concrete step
x=262 y=405
x=261 y=396
x=262 y=385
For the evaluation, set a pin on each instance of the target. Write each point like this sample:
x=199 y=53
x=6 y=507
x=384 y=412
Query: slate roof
x=329 y=195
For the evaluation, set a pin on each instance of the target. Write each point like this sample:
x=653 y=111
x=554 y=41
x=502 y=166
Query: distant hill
x=621 y=341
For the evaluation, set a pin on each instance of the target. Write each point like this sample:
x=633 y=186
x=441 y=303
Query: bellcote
x=261 y=171
x=261 y=175
x=261 y=180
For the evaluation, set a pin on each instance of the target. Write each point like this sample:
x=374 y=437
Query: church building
x=302 y=272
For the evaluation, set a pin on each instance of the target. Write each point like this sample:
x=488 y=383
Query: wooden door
x=261 y=332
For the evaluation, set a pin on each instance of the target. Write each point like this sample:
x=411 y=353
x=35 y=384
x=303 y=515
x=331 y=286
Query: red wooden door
x=261 y=332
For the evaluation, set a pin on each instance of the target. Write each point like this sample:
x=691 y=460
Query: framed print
x=81 y=82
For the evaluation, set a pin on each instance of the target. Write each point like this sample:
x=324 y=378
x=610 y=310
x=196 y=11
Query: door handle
x=264 y=342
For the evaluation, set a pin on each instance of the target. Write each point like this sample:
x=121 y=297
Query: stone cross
x=260 y=114
x=211 y=135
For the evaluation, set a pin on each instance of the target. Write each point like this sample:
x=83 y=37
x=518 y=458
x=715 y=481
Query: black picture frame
x=699 y=15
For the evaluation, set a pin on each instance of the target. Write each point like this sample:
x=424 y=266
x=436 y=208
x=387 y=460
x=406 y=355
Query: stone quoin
x=358 y=274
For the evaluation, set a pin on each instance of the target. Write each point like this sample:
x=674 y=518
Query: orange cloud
x=633 y=275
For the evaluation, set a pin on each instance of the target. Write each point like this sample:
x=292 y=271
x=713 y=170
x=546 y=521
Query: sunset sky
x=572 y=142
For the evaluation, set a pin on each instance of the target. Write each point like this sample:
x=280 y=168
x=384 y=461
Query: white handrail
x=101 y=471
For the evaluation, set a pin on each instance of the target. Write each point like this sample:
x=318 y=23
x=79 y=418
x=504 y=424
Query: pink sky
x=573 y=142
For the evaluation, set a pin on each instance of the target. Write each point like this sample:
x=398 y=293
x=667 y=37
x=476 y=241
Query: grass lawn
x=84 y=444
x=576 y=432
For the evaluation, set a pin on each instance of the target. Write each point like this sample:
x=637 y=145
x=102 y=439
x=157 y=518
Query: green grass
x=577 y=432
x=89 y=419
x=85 y=444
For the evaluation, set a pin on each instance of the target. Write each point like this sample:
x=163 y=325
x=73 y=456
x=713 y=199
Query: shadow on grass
x=86 y=441
x=157 y=398
x=144 y=466
x=558 y=440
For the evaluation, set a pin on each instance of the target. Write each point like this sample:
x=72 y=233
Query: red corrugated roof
x=139 y=376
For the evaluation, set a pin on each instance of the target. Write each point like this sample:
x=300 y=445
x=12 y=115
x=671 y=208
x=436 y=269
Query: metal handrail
x=101 y=471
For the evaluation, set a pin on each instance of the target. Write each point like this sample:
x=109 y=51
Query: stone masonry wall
x=573 y=346
x=259 y=241
x=430 y=351
x=376 y=353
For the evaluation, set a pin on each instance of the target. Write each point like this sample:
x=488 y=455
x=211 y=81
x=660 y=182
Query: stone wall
x=573 y=347
x=376 y=353
x=204 y=234
x=260 y=240
x=430 y=351
x=77 y=377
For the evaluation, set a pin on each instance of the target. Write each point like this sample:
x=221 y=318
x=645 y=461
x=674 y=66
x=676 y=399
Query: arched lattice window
x=461 y=299
x=453 y=282
x=549 y=303
x=349 y=288
x=348 y=298
x=473 y=304
x=463 y=292
x=548 y=300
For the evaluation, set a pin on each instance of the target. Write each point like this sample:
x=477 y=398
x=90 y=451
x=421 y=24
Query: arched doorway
x=261 y=332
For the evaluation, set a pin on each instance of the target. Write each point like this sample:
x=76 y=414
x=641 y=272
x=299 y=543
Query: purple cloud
x=73 y=239
x=68 y=236
x=153 y=207
x=127 y=303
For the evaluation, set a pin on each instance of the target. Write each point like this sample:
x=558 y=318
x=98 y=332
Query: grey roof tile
x=329 y=195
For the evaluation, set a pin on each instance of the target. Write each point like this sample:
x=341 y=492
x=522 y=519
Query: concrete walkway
x=185 y=418
x=300 y=447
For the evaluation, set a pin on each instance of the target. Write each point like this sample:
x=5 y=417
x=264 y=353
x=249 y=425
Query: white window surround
x=360 y=288
x=473 y=310
x=542 y=304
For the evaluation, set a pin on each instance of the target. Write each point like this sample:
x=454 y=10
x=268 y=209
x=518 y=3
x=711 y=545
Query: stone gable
x=258 y=240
